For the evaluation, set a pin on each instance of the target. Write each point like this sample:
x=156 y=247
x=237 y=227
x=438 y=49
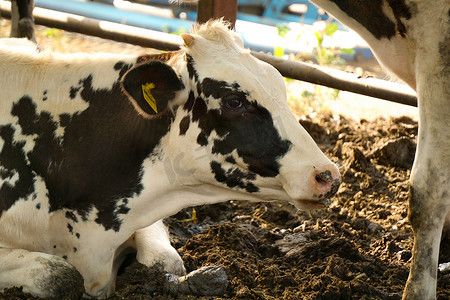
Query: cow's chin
x=311 y=204
x=274 y=193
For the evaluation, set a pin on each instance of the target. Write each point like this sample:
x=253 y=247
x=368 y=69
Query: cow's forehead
x=261 y=81
x=219 y=54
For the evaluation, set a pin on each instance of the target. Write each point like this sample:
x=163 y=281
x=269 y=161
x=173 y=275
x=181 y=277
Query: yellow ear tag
x=148 y=95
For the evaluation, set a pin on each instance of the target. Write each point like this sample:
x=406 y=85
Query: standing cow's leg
x=153 y=247
x=429 y=205
x=430 y=195
x=430 y=177
x=40 y=274
x=22 y=21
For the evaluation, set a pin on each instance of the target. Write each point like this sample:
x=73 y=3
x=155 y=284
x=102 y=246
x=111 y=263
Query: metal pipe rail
x=372 y=87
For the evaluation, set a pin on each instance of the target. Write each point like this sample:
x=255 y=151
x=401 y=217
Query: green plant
x=54 y=33
x=283 y=29
x=179 y=31
x=166 y=29
x=326 y=56
x=57 y=37
x=306 y=98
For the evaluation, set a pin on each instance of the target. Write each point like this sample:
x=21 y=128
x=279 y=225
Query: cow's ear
x=151 y=86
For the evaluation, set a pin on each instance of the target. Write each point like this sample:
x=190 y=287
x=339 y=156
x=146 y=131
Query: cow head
x=232 y=135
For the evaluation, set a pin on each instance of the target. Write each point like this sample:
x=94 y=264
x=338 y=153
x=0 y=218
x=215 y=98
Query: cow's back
x=28 y=70
x=58 y=127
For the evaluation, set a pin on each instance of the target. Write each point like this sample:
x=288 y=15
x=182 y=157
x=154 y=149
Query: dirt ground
x=357 y=248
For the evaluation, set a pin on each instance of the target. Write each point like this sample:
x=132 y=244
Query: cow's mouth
x=312 y=204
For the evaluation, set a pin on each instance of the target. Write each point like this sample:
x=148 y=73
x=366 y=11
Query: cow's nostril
x=320 y=179
x=324 y=178
x=326 y=185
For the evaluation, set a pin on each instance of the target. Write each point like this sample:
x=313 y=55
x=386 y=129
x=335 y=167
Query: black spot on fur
x=370 y=15
x=13 y=160
x=119 y=65
x=191 y=69
x=71 y=216
x=202 y=139
x=184 y=125
x=77 y=235
x=230 y=159
x=123 y=208
x=64 y=119
x=122 y=67
x=199 y=109
x=73 y=92
x=70 y=228
x=199 y=112
x=6 y=173
x=217 y=89
x=234 y=177
x=38 y=206
x=400 y=10
x=190 y=102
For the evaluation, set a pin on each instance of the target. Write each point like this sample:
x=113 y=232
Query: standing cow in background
x=411 y=39
x=22 y=20
x=94 y=149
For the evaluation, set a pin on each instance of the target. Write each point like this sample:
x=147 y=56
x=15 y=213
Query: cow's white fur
x=416 y=59
x=155 y=241
x=99 y=252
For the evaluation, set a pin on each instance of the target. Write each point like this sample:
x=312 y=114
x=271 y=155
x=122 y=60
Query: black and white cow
x=411 y=39
x=94 y=149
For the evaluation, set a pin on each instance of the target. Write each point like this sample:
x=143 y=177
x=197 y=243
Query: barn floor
x=357 y=248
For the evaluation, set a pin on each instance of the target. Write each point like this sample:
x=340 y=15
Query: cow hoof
x=172 y=263
x=206 y=281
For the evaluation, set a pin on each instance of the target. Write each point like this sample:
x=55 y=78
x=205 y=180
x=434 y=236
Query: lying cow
x=94 y=149
x=411 y=38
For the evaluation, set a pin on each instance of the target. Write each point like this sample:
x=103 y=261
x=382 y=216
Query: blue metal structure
x=110 y=13
x=269 y=12
x=278 y=11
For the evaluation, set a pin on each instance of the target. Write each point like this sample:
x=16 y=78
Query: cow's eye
x=233 y=102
